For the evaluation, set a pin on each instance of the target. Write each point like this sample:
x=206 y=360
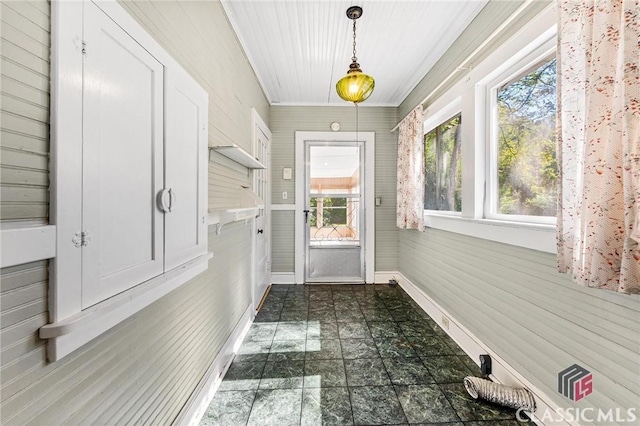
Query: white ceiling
x=300 y=49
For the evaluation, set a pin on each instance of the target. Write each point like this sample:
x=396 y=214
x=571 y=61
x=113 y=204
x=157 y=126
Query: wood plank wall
x=24 y=110
x=514 y=301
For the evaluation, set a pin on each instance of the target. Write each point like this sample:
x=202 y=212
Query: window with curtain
x=505 y=182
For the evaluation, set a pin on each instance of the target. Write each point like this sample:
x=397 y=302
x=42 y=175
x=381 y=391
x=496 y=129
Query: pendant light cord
x=354 y=58
x=357 y=122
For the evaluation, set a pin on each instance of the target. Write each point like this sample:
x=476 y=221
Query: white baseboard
x=383 y=277
x=283 y=278
x=380 y=277
x=201 y=397
x=502 y=372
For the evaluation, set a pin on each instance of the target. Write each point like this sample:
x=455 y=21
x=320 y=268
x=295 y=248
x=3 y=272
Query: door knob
x=260 y=231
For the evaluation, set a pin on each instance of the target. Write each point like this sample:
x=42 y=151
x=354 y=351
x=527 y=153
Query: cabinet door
x=122 y=160
x=186 y=109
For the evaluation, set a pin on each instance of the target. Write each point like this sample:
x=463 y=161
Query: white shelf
x=239 y=155
x=221 y=217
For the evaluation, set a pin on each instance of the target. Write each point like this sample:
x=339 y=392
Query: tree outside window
x=526 y=157
x=327 y=211
x=443 y=167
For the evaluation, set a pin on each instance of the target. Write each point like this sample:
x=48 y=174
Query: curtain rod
x=470 y=57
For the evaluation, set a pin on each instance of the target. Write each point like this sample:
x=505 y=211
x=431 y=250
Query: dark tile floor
x=348 y=354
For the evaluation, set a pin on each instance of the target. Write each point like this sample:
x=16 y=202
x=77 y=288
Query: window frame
x=537 y=56
x=470 y=94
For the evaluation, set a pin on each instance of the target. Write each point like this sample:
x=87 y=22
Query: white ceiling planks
x=300 y=49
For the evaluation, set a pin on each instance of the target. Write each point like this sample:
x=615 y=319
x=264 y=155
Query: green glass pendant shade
x=355 y=86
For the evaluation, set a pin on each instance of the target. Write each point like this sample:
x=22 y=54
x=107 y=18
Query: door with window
x=262 y=225
x=334 y=212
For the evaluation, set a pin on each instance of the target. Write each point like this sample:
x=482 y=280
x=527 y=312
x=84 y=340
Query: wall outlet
x=284 y=195
x=445 y=322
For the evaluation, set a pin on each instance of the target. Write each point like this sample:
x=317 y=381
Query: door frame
x=368 y=139
x=258 y=122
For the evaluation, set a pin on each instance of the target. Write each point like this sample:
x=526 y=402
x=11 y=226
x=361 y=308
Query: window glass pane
x=443 y=167
x=450 y=167
x=526 y=165
x=334 y=211
x=431 y=170
x=335 y=216
x=335 y=202
x=313 y=212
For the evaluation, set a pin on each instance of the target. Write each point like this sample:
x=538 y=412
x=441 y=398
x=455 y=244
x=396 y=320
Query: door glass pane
x=334 y=188
x=335 y=169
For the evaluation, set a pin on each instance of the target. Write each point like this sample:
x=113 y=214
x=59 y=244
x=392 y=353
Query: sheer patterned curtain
x=599 y=142
x=410 y=205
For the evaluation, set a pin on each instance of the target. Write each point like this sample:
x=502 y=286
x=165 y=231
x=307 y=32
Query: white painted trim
x=533 y=236
x=502 y=372
x=283 y=207
x=435 y=117
x=27 y=244
x=369 y=140
x=383 y=277
x=283 y=278
x=197 y=404
x=71 y=333
x=66 y=182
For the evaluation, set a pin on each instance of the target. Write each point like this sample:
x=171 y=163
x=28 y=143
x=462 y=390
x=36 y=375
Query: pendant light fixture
x=355 y=86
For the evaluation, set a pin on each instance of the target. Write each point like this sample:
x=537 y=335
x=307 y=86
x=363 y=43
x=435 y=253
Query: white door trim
x=368 y=138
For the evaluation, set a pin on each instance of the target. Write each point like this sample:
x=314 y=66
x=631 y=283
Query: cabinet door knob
x=163 y=203
x=260 y=231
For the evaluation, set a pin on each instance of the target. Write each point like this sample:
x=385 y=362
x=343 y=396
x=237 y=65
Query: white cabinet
x=185 y=168
x=122 y=161
x=143 y=162
x=129 y=172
